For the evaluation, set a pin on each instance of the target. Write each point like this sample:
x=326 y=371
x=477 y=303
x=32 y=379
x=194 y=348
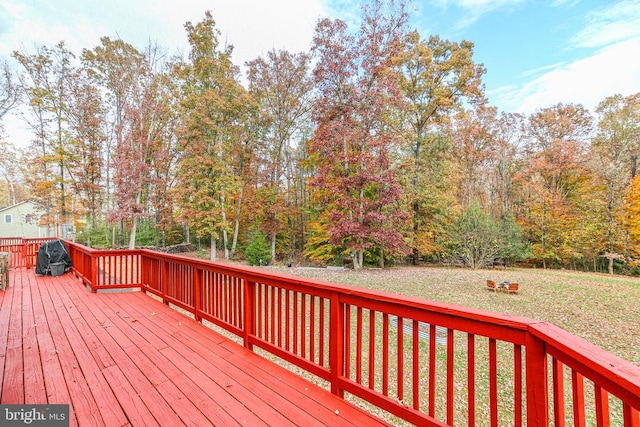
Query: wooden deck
x=126 y=359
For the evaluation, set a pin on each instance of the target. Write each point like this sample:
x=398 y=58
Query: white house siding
x=21 y=220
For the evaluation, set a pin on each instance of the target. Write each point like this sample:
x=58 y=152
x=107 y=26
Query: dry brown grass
x=600 y=308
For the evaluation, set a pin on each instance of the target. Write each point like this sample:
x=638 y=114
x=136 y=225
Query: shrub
x=479 y=240
x=258 y=252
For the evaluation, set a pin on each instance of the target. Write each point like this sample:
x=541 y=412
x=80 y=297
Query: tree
x=46 y=86
x=9 y=98
x=632 y=216
x=474 y=140
x=506 y=163
x=9 y=168
x=118 y=68
x=352 y=145
x=554 y=179
x=141 y=126
x=87 y=125
x=9 y=90
x=613 y=160
x=212 y=137
x=438 y=76
x=258 y=252
x=479 y=240
x=282 y=86
x=165 y=120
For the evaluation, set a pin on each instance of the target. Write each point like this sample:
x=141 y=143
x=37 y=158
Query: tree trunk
x=542 y=234
x=225 y=236
x=610 y=265
x=213 y=256
x=358 y=257
x=273 y=247
x=132 y=237
x=415 y=255
x=381 y=256
x=225 y=243
x=236 y=226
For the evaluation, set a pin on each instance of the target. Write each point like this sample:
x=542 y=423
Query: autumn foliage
x=378 y=145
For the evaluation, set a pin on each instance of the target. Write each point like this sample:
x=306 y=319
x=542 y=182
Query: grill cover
x=53 y=252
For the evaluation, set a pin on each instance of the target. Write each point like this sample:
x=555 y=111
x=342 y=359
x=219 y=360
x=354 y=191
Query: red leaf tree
x=358 y=83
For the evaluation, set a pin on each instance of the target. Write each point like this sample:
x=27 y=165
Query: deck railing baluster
x=400 y=367
x=558 y=392
x=471 y=379
x=372 y=348
x=602 y=407
x=450 y=376
x=415 y=357
x=517 y=385
x=432 y=370
x=577 y=386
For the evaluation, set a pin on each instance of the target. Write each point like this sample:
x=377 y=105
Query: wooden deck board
x=132 y=404
x=206 y=369
x=125 y=359
x=33 y=392
x=14 y=391
x=84 y=405
x=54 y=382
x=5 y=316
x=241 y=368
x=237 y=376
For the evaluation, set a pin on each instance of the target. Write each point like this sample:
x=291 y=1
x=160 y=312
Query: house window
x=8 y=219
x=28 y=219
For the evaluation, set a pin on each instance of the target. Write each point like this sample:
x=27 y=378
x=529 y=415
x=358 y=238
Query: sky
x=536 y=52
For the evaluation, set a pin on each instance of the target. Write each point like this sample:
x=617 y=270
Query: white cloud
x=611 y=65
x=614 y=69
x=252 y=26
x=609 y=25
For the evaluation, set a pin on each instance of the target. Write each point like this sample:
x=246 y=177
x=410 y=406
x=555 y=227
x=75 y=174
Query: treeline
x=377 y=145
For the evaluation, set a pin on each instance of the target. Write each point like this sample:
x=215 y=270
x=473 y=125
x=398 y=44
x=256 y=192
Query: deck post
x=23 y=249
x=144 y=277
x=249 y=305
x=94 y=272
x=336 y=343
x=536 y=382
x=164 y=276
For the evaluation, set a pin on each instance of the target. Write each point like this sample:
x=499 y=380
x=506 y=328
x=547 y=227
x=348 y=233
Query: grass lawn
x=603 y=309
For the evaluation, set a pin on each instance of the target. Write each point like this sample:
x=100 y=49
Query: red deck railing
x=24 y=251
x=427 y=363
